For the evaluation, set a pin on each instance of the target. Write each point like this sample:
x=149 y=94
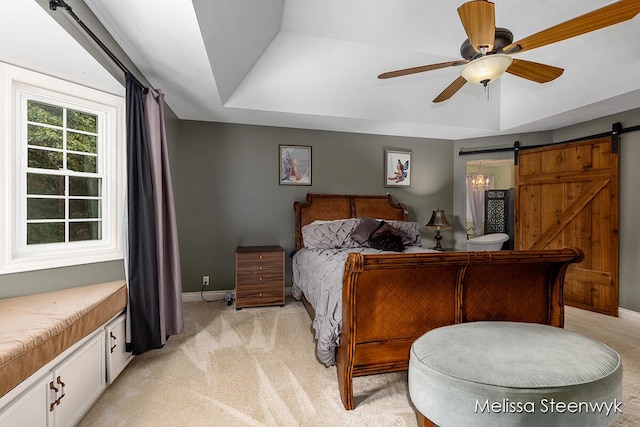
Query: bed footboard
x=389 y=300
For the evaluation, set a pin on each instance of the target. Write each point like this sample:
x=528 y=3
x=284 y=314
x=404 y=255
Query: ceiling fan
x=487 y=51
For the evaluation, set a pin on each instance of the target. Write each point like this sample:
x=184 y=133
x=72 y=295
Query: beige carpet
x=257 y=367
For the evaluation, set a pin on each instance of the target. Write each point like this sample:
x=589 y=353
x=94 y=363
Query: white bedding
x=317 y=273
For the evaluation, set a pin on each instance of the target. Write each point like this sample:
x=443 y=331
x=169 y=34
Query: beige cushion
x=510 y=373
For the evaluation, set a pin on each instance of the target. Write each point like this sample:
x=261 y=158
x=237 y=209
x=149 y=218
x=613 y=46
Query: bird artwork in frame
x=397 y=168
x=295 y=165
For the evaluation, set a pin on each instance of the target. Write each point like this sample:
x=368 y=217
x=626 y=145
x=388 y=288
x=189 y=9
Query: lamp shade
x=438 y=221
x=486 y=68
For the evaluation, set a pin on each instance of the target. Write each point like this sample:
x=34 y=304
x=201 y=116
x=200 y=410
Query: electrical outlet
x=205 y=280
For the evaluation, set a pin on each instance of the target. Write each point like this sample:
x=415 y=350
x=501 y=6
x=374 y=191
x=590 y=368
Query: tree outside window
x=64 y=182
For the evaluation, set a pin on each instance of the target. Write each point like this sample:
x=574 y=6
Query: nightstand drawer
x=259 y=276
x=259 y=295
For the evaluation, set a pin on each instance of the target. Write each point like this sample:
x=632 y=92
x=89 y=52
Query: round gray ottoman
x=513 y=374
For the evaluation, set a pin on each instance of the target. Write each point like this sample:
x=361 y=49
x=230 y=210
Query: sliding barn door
x=567 y=196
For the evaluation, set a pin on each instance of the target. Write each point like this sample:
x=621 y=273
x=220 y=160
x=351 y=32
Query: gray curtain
x=152 y=258
x=169 y=273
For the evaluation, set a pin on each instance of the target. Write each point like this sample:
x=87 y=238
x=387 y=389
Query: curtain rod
x=55 y=4
x=616 y=130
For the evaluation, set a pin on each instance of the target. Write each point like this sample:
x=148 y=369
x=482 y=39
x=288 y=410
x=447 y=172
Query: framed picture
x=295 y=165
x=397 y=168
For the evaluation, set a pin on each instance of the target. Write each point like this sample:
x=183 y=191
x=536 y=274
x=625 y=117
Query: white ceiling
x=314 y=64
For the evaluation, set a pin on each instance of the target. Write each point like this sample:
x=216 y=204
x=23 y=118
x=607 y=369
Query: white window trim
x=15 y=257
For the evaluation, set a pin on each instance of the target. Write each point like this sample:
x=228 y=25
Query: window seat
x=35 y=329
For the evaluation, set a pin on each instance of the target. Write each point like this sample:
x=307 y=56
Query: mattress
x=35 y=329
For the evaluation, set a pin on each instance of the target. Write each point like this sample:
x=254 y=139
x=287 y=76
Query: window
x=64 y=184
x=64 y=174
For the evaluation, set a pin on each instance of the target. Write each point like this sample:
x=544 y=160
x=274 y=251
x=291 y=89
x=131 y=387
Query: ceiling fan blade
x=611 y=14
x=534 y=71
x=479 y=21
x=451 y=89
x=420 y=69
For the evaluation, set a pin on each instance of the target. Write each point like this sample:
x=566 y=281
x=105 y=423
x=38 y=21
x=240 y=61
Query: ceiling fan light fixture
x=486 y=68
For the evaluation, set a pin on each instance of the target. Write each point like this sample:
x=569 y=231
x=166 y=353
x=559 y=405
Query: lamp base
x=438 y=247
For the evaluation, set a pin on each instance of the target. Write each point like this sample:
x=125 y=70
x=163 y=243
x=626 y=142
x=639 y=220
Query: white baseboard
x=631 y=315
x=215 y=295
x=207 y=295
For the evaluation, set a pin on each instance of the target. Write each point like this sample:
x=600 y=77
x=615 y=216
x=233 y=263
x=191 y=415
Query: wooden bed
x=389 y=300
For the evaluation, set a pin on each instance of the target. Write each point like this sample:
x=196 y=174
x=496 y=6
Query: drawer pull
x=261 y=279
x=113 y=340
x=61 y=388
x=55 y=394
x=260 y=268
x=260 y=257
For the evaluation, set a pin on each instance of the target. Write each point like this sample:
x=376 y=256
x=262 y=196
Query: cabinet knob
x=260 y=268
x=260 y=257
x=260 y=279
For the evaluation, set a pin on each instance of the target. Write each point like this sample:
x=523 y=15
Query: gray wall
x=225 y=180
x=32 y=282
x=228 y=191
x=629 y=195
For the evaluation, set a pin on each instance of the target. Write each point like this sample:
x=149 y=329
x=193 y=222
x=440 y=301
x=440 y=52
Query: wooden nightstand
x=259 y=276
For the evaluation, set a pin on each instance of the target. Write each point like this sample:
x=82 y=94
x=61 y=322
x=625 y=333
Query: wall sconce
x=437 y=222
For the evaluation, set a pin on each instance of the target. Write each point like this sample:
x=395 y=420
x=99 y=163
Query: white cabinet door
x=81 y=378
x=117 y=355
x=30 y=409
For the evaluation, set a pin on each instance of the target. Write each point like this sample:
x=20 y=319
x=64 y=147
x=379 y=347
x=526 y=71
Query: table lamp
x=437 y=222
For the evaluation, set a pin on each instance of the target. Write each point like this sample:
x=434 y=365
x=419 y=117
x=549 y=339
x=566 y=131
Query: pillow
x=410 y=231
x=324 y=221
x=364 y=229
x=387 y=238
x=329 y=235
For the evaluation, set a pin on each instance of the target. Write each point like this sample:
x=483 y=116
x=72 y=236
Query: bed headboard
x=334 y=206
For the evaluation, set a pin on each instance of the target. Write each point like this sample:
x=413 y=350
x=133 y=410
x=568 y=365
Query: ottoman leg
x=424 y=421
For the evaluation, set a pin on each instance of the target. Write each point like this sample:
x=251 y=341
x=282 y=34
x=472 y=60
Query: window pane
x=80 y=163
x=45 y=208
x=44 y=113
x=45 y=184
x=44 y=159
x=89 y=230
x=48 y=232
x=82 y=121
x=79 y=186
x=79 y=208
x=44 y=137
x=82 y=142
